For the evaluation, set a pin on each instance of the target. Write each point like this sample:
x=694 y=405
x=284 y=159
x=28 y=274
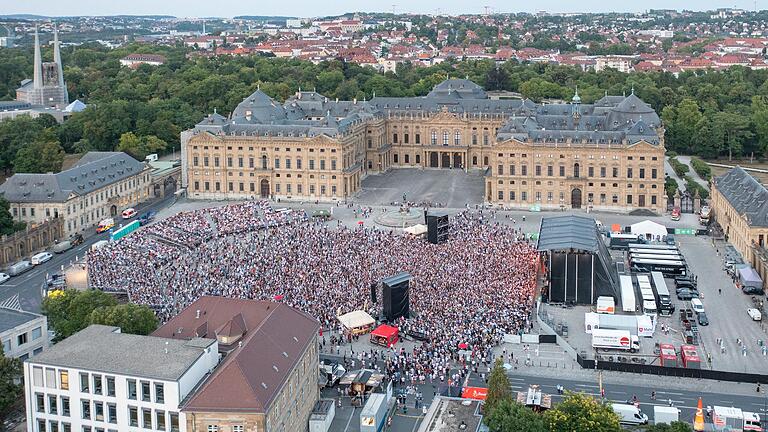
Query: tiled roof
x=274 y=336
x=93 y=171
x=745 y=194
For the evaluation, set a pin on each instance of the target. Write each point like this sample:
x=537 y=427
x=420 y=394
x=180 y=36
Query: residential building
x=136 y=60
x=607 y=155
x=23 y=334
x=98 y=186
x=267 y=379
x=620 y=63
x=100 y=379
x=740 y=206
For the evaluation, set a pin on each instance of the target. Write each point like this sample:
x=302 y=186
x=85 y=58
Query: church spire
x=38 y=63
x=57 y=57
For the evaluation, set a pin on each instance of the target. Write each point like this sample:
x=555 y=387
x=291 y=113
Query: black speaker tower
x=373 y=292
x=437 y=227
x=396 y=296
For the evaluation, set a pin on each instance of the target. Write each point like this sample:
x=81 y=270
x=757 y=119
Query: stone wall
x=33 y=239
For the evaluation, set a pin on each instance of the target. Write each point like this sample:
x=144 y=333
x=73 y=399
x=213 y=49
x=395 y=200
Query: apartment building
x=267 y=379
x=23 y=334
x=101 y=380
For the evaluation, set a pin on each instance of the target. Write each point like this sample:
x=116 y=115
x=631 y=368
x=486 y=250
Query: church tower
x=47 y=87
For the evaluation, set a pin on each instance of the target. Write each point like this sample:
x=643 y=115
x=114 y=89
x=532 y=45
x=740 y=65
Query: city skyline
x=303 y=8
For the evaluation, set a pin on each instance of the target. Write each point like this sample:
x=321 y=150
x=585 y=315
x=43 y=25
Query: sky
x=313 y=8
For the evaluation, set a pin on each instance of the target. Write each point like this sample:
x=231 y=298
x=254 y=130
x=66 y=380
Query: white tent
x=417 y=229
x=649 y=230
x=356 y=320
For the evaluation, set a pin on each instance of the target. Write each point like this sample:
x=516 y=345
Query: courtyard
x=452 y=188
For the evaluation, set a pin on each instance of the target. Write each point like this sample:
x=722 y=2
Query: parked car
x=676 y=214
x=41 y=258
x=703 y=320
x=691 y=289
x=755 y=314
x=686 y=294
x=4 y=278
x=670 y=239
x=685 y=284
x=697 y=305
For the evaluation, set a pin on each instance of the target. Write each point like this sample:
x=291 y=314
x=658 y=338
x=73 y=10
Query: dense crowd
x=465 y=294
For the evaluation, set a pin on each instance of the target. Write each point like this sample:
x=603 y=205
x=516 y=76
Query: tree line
x=707 y=113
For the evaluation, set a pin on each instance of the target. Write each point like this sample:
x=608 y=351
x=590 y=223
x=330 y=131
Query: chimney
x=240 y=344
x=166 y=347
x=57 y=57
x=197 y=314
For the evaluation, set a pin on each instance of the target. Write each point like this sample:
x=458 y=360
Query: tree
x=69 y=311
x=140 y=147
x=11 y=385
x=509 y=415
x=8 y=226
x=499 y=388
x=760 y=122
x=496 y=79
x=39 y=157
x=131 y=318
x=581 y=412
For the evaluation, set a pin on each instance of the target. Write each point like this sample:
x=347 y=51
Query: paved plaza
x=452 y=188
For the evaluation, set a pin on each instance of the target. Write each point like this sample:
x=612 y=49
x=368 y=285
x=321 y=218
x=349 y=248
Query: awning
x=385 y=331
x=356 y=319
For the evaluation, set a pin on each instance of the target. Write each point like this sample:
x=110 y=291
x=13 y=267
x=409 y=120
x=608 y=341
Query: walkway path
x=692 y=173
x=671 y=172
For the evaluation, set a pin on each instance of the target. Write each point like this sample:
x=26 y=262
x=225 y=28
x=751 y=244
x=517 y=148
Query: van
x=105 y=225
x=19 y=268
x=99 y=244
x=129 y=213
x=629 y=414
x=62 y=246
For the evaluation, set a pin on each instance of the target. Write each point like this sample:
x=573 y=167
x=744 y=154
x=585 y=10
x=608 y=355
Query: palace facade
x=607 y=155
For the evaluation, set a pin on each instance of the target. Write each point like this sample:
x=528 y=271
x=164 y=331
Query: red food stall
x=690 y=357
x=667 y=355
x=385 y=335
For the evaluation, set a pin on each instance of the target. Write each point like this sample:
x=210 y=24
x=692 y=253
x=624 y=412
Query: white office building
x=23 y=334
x=102 y=380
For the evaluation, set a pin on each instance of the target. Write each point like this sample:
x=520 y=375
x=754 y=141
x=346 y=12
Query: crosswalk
x=11 y=302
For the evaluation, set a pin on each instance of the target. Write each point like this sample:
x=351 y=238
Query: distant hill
x=24 y=16
x=43 y=17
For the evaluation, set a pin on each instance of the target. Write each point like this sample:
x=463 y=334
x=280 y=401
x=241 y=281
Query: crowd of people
x=465 y=294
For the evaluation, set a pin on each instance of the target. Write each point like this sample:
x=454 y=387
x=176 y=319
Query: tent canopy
x=356 y=319
x=649 y=228
x=749 y=275
x=568 y=232
x=417 y=229
x=385 y=331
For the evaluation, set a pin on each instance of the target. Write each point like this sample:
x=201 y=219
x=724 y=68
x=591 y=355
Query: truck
x=19 y=268
x=615 y=340
x=734 y=419
x=704 y=215
x=665 y=414
x=332 y=372
x=629 y=414
x=606 y=305
x=638 y=325
x=62 y=246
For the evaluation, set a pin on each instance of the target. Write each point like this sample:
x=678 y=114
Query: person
x=653 y=395
x=669 y=401
x=720 y=291
x=758 y=387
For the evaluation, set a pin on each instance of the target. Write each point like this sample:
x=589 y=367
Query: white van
x=99 y=244
x=629 y=414
x=41 y=258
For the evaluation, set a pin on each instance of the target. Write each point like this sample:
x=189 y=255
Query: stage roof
x=568 y=232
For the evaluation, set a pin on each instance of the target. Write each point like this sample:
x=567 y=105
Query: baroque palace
x=607 y=155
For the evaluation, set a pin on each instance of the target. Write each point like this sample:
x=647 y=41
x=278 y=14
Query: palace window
x=434 y=138
x=457 y=138
x=445 y=138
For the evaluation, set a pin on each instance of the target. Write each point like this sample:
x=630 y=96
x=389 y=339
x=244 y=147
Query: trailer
x=664 y=414
x=322 y=416
x=637 y=325
x=374 y=413
x=606 y=305
x=667 y=355
x=690 y=357
x=627 y=294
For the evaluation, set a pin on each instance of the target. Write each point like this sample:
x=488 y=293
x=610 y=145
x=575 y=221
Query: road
x=24 y=291
x=692 y=173
x=685 y=400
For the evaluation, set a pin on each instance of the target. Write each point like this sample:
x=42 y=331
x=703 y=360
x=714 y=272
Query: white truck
x=734 y=419
x=665 y=414
x=629 y=414
x=615 y=340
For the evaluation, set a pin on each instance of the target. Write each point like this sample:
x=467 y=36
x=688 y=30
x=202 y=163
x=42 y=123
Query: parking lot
x=452 y=188
x=732 y=340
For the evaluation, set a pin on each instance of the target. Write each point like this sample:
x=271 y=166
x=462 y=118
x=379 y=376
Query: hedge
x=680 y=168
x=692 y=186
x=701 y=168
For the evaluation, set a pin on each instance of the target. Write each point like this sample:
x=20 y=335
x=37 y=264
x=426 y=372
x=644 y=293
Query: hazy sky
x=309 y=8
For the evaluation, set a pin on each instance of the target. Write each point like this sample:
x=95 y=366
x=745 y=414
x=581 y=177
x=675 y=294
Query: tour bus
x=667 y=268
x=649 y=301
x=652 y=246
x=622 y=241
x=662 y=294
x=105 y=224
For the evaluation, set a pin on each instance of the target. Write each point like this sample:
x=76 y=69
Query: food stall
x=356 y=322
x=667 y=355
x=690 y=357
x=385 y=335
